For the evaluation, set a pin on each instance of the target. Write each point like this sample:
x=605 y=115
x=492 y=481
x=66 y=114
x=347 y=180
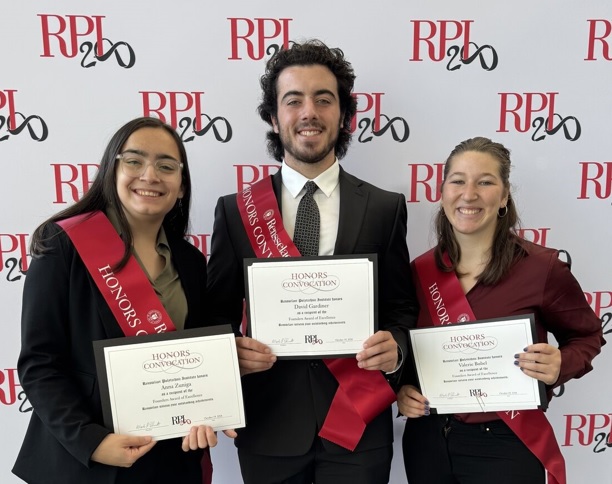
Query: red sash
x=361 y=394
x=128 y=293
x=447 y=304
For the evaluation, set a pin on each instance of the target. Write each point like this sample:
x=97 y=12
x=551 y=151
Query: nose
x=149 y=174
x=470 y=192
x=309 y=109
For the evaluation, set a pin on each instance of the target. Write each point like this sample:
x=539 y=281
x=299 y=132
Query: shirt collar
x=326 y=181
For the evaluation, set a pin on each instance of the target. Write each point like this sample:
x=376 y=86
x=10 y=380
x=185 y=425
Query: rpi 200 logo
x=14 y=256
x=14 y=122
x=253 y=37
x=11 y=391
x=436 y=37
x=521 y=108
x=378 y=123
x=168 y=106
x=63 y=34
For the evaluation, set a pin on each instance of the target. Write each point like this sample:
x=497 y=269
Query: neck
x=474 y=251
x=311 y=170
x=144 y=232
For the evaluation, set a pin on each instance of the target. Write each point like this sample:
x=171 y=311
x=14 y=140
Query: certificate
x=465 y=368
x=312 y=307
x=161 y=385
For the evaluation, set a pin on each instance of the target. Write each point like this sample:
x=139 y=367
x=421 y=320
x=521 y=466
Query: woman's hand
x=411 y=403
x=122 y=450
x=540 y=361
x=203 y=436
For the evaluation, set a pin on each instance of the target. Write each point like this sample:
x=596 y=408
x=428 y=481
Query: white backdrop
x=532 y=75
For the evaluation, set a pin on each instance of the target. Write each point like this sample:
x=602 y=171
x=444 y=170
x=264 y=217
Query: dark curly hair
x=311 y=52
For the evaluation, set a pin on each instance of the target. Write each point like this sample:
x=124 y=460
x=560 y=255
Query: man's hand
x=253 y=356
x=122 y=450
x=379 y=352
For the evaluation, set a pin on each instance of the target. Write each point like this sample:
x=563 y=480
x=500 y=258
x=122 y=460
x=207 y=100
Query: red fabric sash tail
x=361 y=394
x=447 y=304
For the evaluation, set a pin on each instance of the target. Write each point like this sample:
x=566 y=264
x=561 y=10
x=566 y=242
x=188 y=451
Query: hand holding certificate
x=312 y=307
x=162 y=385
x=465 y=368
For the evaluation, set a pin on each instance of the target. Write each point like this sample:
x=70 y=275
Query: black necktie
x=307 y=223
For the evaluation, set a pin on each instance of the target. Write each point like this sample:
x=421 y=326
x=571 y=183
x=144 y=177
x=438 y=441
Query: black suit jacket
x=287 y=405
x=63 y=312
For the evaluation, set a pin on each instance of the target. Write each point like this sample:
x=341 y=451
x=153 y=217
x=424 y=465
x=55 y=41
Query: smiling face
x=308 y=118
x=148 y=198
x=473 y=193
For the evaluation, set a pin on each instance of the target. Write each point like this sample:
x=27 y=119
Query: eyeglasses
x=134 y=165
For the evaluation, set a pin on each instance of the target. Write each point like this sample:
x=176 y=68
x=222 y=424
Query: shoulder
x=373 y=190
x=424 y=255
x=185 y=248
x=537 y=254
x=52 y=240
x=542 y=263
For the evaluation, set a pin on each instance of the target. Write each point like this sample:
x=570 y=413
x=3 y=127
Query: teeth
x=146 y=193
x=309 y=133
x=469 y=211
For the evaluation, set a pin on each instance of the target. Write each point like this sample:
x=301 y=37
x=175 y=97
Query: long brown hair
x=507 y=246
x=103 y=192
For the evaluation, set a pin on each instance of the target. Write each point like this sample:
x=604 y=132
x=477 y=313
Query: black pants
x=442 y=450
x=318 y=466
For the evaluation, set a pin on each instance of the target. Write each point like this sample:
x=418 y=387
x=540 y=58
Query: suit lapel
x=277 y=183
x=353 y=204
x=187 y=277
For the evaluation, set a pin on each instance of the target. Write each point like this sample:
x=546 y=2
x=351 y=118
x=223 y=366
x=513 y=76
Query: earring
x=442 y=213
x=502 y=215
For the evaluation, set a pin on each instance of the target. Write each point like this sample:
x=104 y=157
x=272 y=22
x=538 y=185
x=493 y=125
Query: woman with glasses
x=139 y=202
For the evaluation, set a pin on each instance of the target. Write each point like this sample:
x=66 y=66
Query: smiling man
x=307 y=101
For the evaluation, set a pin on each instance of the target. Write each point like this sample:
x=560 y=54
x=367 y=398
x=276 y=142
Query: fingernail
x=516 y=362
x=516 y=356
x=427 y=402
x=525 y=348
x=426 y=412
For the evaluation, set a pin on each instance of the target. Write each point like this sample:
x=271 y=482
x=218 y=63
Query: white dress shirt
x=327 y=198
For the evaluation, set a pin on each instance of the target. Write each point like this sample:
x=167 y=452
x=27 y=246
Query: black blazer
x=287 y=405
x=63 y=312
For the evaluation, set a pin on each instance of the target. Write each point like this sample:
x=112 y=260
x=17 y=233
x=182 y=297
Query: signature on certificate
x=282 y=341
x=151 y=424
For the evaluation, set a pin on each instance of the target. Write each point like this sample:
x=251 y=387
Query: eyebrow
x=461 y=173
x=144 y=154
x=300 y=93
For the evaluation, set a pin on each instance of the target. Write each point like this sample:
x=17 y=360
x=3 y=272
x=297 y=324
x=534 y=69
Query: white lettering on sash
x=436 y=297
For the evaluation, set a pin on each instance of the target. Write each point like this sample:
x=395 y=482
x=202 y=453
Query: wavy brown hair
x=507 y=247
